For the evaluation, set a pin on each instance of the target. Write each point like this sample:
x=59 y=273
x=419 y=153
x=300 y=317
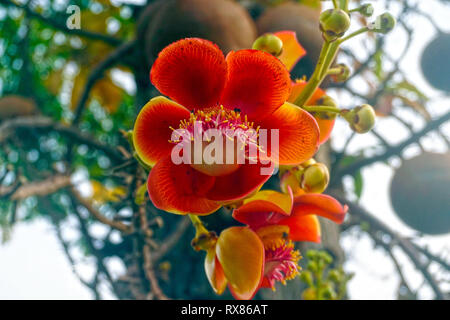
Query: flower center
x=281 y=260
x=220 y=140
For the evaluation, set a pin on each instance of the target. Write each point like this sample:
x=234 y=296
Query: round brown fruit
x=223 y=22
x=435 y=64
x=420 y=193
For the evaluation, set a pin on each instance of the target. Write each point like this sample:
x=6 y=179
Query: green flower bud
x=269 y=43
x=312 y=266
x=309 y=294
x=329 y=102
x=307 y=163
x=383 y=24
x=361 y=118
x=306 y=277
x=315 y=178
x=366 y=10
x=311 y=254
x=343 y=75
x=328 y=293
x=335 y=275
x=326 y=257
x=334 y=23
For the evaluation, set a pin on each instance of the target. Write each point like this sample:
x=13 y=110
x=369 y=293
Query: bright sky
x=33 y=265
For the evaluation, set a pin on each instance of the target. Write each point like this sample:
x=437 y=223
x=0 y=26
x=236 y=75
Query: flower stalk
x=322 y=109
x=204 y=239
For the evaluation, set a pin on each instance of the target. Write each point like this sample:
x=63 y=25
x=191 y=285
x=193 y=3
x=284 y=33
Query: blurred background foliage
x=69 y=96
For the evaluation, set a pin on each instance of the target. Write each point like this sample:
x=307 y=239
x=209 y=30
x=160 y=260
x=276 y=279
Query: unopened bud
x=328 y=293
x=366 y=10
x=269 y=43
x=383 y=24
x=334 y=23
x=343 y=75
x=306 y=276
x=311 y=254
x=329 y=102
x=309 y=294
x=315 y=178
x=312 y=266
x=361 y=118
x=326 y=257
x=334 y=275
x=307 y=163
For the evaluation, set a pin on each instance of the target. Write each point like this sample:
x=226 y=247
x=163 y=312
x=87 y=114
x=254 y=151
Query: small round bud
x=315 y=178
x=329 y=102
x=343 y=75
x=307 y=163
x=312 y=266
x=309 y=294
x=306 y=276
x=383 y=24
x=328 y=293
x=326 y=257
x=334 y=23
x=366 y=10
x=361 y=118
x=269 y=43
x=334 y=275
x=311 y=254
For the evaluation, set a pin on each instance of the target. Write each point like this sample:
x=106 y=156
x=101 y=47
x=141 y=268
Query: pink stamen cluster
x=229 y=123
x=281 y=263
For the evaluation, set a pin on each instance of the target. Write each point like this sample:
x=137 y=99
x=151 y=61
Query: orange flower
x=262 y=253
x=291 y=54
x=246 y=90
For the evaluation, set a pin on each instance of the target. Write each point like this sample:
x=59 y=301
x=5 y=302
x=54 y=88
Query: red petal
x=180 y=189
x=325 y=125
x=319 y=204
x=298 y=134
x=241 y=254
x=238 y=184
x=292 y=49
x=152 y=131
x=264 y=208
x=258 y=83
x=303 y=228
x=214 y=272
x=190 y=71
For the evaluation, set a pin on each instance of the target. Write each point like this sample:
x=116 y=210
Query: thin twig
x=406 y=245
x=172 y=240
x=40 y=188
x=147 y=256
x=391 y=151
x=97 y=215
x=89 y=241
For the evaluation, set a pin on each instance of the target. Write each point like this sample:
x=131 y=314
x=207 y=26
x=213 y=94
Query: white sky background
x=33 y=265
